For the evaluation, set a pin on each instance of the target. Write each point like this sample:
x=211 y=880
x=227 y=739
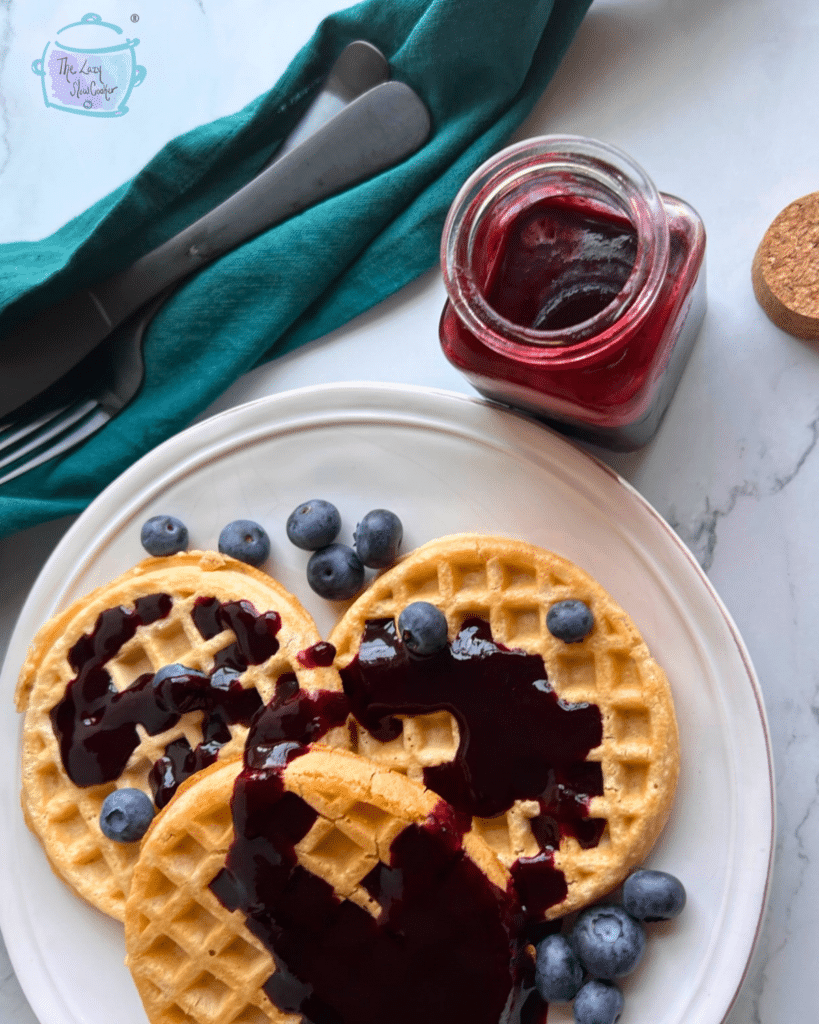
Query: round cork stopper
x=785 y=271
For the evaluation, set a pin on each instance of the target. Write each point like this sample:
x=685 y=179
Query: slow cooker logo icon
x=88 y=70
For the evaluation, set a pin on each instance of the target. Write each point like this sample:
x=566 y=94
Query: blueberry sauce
x=295 y=716
x=517 y=740
x=441 y=949
x=445 y=945
x=255 y=634
x=549 y=263
x=560 y=264
x=320 y=655
x=95 y=724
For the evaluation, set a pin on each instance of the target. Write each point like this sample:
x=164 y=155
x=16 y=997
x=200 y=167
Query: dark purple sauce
x=517 y=740
x=446 y=943
x=293 y=716
x=442 y=948
x=320 y=655
x=256 y=635
x=559 y=265
x=95 y=724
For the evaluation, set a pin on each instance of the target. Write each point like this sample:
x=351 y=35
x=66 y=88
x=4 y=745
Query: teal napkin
x=479 y=65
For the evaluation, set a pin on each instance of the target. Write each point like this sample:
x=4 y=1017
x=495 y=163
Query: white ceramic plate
x=444 y=463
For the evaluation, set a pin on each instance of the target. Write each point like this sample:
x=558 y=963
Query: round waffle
x=511 y=585
x=65 y=816
x=196 y=962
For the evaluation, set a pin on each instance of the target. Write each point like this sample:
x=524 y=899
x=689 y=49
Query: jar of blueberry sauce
x=575 y=288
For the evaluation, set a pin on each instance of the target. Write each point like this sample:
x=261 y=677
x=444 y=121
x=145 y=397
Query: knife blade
x=376 y=131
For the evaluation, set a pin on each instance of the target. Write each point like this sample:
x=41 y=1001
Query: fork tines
x=28 y=442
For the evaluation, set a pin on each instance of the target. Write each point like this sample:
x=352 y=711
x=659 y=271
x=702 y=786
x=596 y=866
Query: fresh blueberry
x=598 y=1002
x=314 y=524
x=422 y=627
x=335 y=572
x=558 y=972
x=570 y=621
x=276 y=755
x=171 y=672
x=126 y=815
x=164 y=535
x=179 y=689
x=245 y=540
x=608 y=941
x=653 y=895
x=378 y=537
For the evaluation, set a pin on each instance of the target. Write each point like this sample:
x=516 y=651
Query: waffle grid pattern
x=345 y=844
x=192 y=960
x=66 y=817
x=512 y=586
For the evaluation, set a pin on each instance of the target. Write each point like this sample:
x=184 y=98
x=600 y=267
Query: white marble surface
x=717 y=100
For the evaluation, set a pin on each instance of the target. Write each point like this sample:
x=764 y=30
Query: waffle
x=191 y=959
x=195 y=962
x=64 y=816
x=511 y=585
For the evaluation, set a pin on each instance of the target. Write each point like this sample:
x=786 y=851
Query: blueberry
x=164 y=535
x=608 y=941
x=570 y=621
x=245 y=540
x=126 y=815
x=558 y=972
x=335 y=572
x=179 y=689
x=598 y=1002
x=422 y=627
x=378 y=537
x=314 y=524
x=276 y=755
x=171 y=672
x=653 y=895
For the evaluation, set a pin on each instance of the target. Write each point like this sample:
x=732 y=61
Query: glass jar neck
x=583 y=178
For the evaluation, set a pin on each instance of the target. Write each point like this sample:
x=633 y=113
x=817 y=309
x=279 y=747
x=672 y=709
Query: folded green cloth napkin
x=479 y=65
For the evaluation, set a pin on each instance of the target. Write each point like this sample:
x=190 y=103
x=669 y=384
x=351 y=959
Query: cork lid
x=785 y=270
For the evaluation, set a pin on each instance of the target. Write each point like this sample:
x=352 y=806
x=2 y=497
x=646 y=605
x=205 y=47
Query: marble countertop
x=717 y=100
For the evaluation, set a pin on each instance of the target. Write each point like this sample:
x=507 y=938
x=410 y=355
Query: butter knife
x=377 y=130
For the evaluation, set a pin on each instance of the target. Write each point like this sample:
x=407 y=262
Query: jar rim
x=602 y=167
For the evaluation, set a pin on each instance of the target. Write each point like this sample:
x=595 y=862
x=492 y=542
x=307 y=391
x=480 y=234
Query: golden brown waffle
x=65 y=817
x=511 y=585
x=193 y=961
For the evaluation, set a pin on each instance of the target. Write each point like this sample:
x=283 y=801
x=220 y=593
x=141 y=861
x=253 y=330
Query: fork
x=52 y=424
x=349 y=148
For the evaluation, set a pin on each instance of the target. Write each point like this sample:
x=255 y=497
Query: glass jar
x=575 y=289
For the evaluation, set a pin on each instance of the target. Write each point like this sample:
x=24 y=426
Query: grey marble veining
x=700 y=530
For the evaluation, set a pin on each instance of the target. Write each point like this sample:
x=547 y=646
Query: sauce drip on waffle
x=517 y=740
x=96 y=725
x=439 y=949
x=443 y=945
